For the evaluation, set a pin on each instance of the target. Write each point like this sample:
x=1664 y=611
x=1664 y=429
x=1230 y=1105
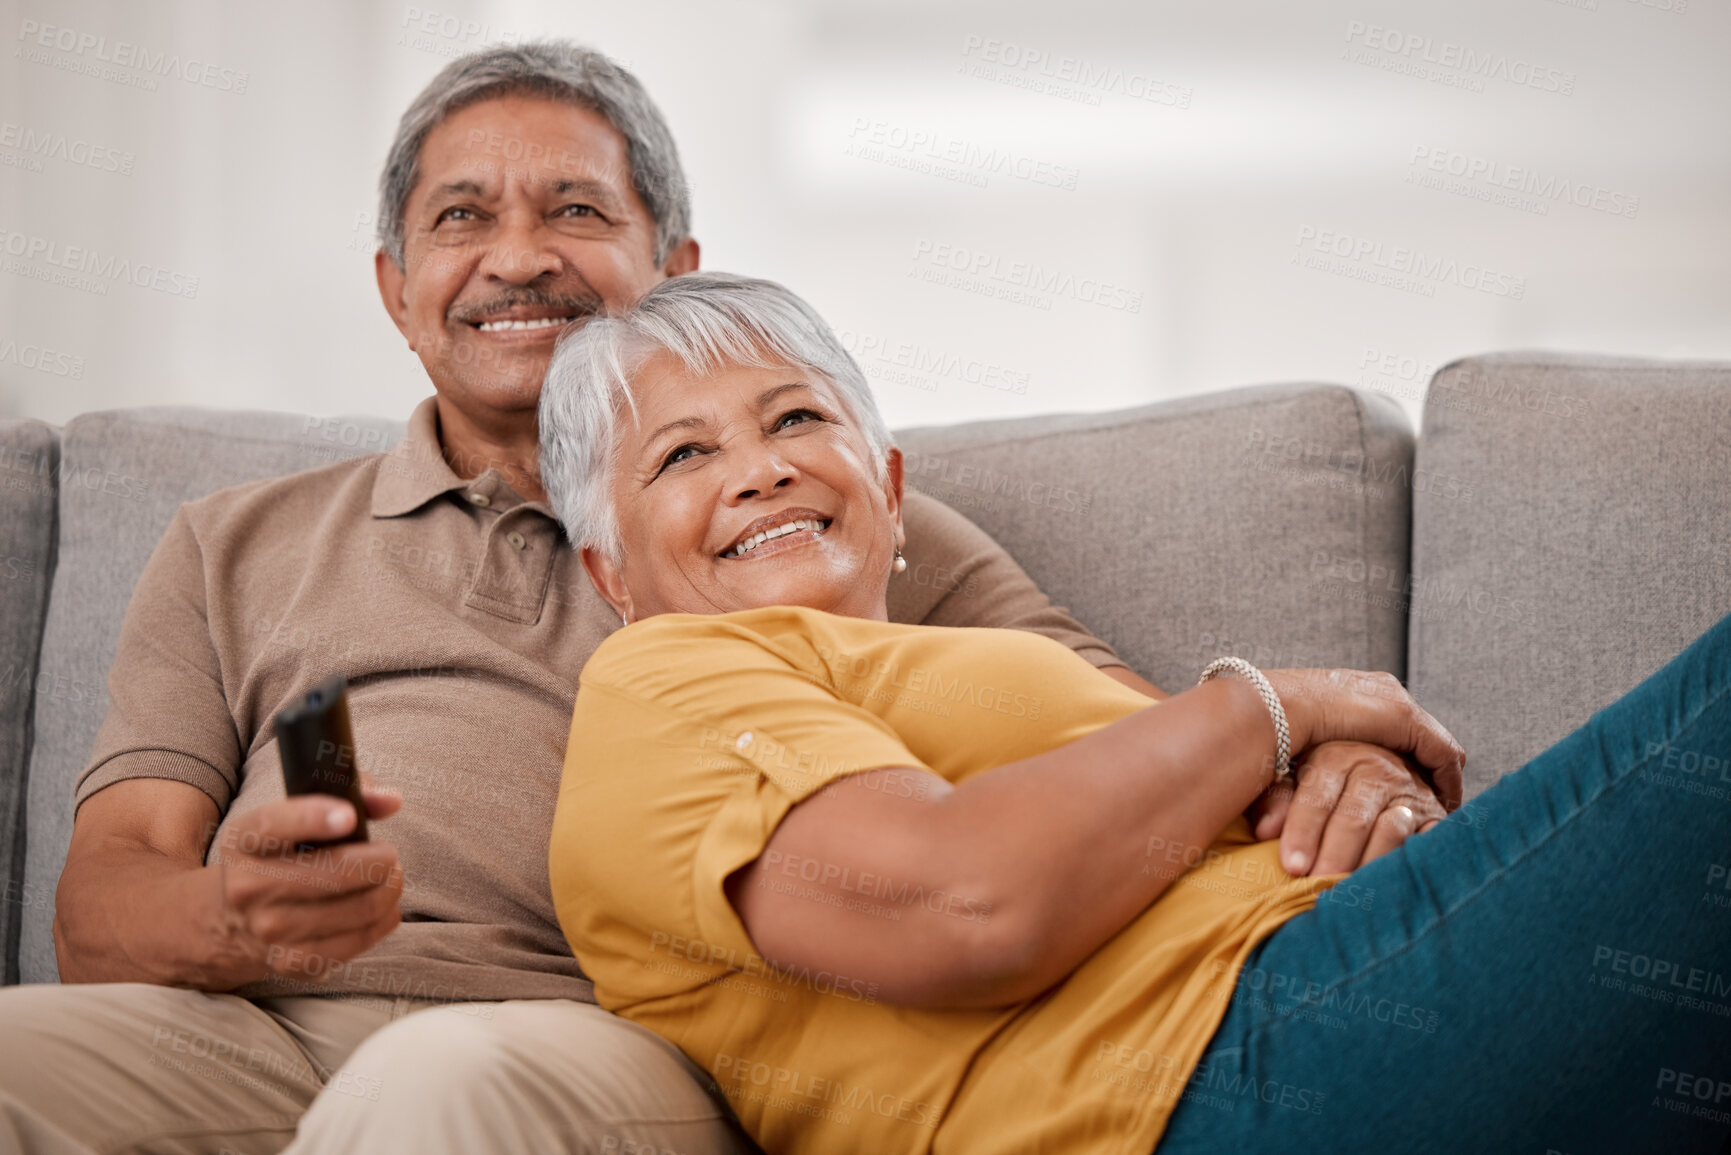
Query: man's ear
x=683 y=259
x=608 y=580
x=392 y=282
x=893 y=490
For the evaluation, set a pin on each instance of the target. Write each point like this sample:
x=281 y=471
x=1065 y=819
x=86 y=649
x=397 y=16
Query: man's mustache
x=578 y=305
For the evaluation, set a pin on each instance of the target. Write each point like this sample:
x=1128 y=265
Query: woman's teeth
x=537 y=323
x=751 y=543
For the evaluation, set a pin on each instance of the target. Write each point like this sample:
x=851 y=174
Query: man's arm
x=958 y=576
x=138 y=847
x=137 y=903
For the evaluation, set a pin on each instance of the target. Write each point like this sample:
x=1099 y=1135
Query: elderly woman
x=908 y=888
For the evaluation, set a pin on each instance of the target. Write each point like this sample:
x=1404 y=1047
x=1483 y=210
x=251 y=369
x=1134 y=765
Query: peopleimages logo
x=465 y=35
x=936 y=153
x=802 y=1093
x=1461 y=66
x=926 y=362
x=1068 y=77
x=59 y=146
x=88 y=269
x=1024 y=282
x=97 y=50
x=1399 y=266
x=1515 y=185
x=40 y=358
x=719 y=957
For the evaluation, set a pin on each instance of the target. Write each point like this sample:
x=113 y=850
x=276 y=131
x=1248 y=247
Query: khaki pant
x=121 y=1067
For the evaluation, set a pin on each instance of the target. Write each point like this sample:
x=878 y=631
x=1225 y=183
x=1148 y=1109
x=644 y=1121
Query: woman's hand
x=1354 y=802
x=1359 y=706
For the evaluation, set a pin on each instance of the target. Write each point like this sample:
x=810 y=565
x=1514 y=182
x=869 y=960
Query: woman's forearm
x=1072 y=844
x=1125 y=676
x=1023 y=871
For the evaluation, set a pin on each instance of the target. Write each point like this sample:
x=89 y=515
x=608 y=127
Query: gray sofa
x=1560 y=528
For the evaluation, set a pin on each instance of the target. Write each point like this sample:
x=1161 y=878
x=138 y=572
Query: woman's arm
x=1125 y=676
x=1339 y=819
x=989 y=892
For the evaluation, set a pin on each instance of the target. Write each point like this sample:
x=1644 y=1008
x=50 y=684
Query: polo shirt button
x=480 y=499
x=516 y=540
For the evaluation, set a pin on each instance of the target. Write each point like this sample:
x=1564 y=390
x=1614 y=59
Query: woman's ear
x=608 y=579
x=893 y=490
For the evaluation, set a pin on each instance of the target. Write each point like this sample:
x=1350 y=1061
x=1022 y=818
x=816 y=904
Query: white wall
x=1272 y=126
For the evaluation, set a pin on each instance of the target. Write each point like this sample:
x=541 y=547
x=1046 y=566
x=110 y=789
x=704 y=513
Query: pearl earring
x=900 y=565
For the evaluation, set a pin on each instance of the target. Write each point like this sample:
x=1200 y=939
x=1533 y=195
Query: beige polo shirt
x=461 y=618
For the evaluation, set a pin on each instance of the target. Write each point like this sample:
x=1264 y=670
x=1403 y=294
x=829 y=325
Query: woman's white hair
x=708 y=321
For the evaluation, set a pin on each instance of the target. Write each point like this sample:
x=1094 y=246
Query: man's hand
x=1354 y=802
x=327 y=902
x=138 y=904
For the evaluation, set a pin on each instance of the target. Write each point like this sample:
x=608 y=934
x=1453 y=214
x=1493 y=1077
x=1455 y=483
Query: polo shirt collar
x=415 y=472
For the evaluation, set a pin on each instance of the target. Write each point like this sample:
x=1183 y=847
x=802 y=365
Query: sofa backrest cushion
x=1241 y=522
x=1573 y=536
x=1178 y=531
x=123 y=475
x=29 y=471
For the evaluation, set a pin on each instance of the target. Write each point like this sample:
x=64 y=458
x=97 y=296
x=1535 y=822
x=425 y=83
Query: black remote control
x=318 y=749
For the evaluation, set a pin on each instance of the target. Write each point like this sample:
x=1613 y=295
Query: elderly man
x=226 y=992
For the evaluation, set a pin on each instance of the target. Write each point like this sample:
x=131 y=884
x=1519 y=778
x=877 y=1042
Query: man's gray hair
x=708 y=321
x=557 y=70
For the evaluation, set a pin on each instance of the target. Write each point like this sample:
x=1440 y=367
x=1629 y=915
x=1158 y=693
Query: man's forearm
x=136 y=902
x=126 y=913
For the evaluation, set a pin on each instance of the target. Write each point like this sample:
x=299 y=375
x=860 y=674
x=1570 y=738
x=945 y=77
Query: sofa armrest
x=29 y=473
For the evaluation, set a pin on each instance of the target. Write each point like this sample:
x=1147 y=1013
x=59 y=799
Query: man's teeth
x=537 y=323
x=747 y=545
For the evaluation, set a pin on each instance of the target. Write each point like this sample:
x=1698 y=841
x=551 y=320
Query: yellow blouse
x=695 y=734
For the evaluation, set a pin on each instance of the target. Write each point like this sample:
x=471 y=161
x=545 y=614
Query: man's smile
x=533 y=323
x=538 y=318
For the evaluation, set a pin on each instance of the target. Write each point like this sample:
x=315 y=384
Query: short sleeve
x=690 y=742
x=958 y=575
x=168 y=716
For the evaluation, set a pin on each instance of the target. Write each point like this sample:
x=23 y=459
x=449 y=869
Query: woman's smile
x=777 y=533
